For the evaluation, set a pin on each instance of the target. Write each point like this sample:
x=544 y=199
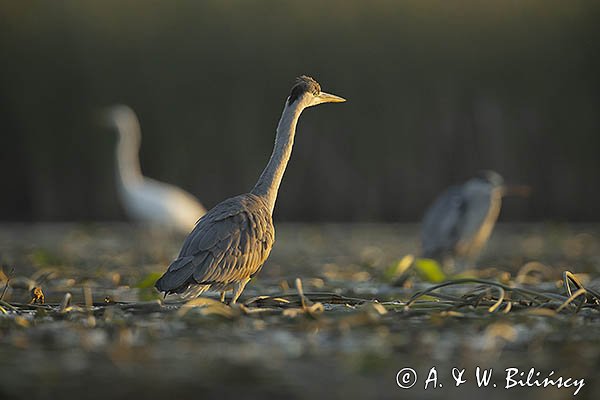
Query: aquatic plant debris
x=316 y=307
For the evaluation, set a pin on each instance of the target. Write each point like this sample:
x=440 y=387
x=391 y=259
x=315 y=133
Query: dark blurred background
x=437 y=90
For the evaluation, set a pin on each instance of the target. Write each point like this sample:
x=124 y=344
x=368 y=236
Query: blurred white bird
x=146 y=199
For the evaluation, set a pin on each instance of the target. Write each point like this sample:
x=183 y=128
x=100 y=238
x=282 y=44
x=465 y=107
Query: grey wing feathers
x=228 y=244
x=178 y=273
x=456 y=216
x=439 y=231
x=479 y=200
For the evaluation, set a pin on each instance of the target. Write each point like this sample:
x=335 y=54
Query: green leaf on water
x=148 y=281
x=430 y=270
x=398 y=268
x=149 y=294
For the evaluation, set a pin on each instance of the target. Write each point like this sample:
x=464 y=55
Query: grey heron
x=461 y=220
x=145 y=199
x=231 y=242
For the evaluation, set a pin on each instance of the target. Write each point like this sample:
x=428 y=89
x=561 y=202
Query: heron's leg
x=238 y=288
x=223 y=296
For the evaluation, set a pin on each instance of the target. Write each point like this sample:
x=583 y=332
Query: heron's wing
x=177 y=275
x=455 y=218
x=228 y=244
x=440 y=230
x=477 y=196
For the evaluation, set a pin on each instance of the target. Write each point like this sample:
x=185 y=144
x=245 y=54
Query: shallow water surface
x=345 y=334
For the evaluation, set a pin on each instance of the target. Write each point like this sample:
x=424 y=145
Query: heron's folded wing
x=177 y=274
x=214 y=226
x=478 y=200
x=440 y=230
x=231 y=242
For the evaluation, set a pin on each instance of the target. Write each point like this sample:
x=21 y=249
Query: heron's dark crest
x=491 y=176
x=303 y=85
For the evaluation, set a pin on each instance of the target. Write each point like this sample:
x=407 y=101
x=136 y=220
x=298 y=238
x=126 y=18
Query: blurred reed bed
x=435 y=89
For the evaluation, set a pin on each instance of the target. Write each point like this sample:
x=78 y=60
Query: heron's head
x=118 y=114
x=307 y=92
x=492 y=177
x=122 y=119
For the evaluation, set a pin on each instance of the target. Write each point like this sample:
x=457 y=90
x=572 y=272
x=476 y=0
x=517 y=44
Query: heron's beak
x=101 y=116
x=517 y=190
x=330 y=98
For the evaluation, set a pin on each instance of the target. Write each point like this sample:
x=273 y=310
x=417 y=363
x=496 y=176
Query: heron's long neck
x=128 y=162
x=269 y=181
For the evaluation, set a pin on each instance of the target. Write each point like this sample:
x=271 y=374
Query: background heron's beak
x=517 y=190
x=101 y=116
x=330 y=98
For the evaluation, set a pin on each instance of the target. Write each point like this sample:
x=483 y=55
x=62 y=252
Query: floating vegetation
x=309 y=317
x=501 y=297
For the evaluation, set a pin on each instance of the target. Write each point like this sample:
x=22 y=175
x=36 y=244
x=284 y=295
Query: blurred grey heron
x=461 y=220
x=145 y=199
x=230 y=243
